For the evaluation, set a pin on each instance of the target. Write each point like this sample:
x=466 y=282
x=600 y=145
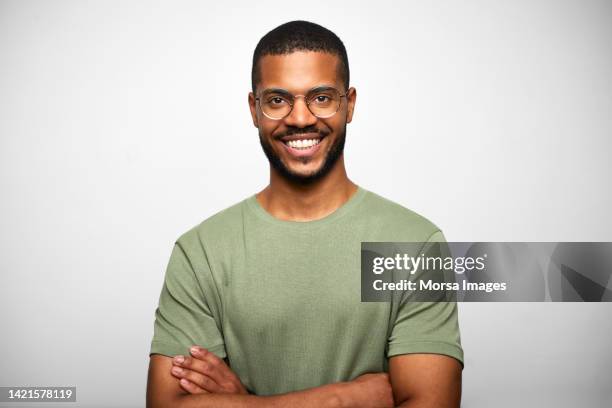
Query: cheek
x=332 y=125
x=267 y=129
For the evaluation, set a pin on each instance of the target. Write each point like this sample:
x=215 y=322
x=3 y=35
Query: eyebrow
x=283 y=91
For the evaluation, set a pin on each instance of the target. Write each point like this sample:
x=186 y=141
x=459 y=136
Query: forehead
x=299 y=71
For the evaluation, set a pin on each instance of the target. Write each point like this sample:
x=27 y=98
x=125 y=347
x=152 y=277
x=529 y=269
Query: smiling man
x=269 y=288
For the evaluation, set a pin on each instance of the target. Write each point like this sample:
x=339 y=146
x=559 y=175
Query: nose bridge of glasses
x=306 y=105
x=305 y=97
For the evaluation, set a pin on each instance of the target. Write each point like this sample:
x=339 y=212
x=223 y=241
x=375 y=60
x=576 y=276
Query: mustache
x=301 y=131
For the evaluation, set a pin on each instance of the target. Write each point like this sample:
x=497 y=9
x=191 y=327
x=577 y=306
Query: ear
x=253 y=108
x=351 y=98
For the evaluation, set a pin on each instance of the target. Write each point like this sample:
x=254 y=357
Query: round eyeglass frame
x=258 y=98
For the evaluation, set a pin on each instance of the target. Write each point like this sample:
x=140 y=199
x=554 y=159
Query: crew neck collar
x=345 y=208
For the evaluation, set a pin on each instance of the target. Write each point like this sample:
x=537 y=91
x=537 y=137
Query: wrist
x=342 y=395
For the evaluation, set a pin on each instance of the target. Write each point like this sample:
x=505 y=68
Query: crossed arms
x=413 y=381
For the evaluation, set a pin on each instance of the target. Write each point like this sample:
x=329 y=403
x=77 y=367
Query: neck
x=293 y=202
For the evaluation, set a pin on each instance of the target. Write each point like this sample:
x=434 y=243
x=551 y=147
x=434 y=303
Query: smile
x=302 y=144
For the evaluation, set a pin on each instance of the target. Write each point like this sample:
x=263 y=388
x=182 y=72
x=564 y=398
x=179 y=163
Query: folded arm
x=164 y=390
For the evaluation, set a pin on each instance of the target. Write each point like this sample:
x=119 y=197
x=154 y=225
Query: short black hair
x=300 y=35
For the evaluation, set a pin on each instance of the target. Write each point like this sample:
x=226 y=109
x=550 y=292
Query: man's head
x=301 y=58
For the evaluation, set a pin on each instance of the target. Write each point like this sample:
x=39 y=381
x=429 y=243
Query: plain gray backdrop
x=123 y=124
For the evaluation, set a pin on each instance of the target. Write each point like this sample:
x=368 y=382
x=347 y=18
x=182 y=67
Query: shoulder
x=397 y=218
x=217 y=228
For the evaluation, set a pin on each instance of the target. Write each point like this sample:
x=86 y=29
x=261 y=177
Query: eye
x=276 y=101
x=322 y=99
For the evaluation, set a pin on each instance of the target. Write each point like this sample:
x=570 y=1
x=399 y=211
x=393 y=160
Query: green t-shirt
x=282 y=299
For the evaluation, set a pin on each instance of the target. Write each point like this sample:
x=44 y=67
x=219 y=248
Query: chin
x=301 y=171
x=302 y=176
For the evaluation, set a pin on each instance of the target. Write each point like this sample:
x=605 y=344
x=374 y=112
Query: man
x=269 y=288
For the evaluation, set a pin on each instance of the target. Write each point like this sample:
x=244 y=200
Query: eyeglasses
x=322 y=101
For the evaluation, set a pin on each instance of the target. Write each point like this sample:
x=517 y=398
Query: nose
x=300 y=115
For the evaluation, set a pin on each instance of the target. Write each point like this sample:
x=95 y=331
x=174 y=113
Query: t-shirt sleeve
x=427 y=327
x=186 y=314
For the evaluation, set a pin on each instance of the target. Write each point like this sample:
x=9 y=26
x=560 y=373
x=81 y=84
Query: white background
x=123 y=124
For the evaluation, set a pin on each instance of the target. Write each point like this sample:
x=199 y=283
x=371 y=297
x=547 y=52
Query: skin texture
x=304 y=189
x=283 y=197
x=303 y=70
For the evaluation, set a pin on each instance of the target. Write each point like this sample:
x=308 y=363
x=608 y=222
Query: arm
x=425 y=354
x=163 y=390
x=425 y=381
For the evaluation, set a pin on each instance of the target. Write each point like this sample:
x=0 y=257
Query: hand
x=204 y=372
x=370 y=390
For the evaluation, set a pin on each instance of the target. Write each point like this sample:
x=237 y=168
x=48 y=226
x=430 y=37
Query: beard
x=335 y=152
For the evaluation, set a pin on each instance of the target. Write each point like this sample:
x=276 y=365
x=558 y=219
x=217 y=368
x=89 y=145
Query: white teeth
x=302 y=144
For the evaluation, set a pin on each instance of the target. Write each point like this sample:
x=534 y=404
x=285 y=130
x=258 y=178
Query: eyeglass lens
x=322 y=103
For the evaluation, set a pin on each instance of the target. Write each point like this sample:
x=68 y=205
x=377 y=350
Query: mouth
x=302 y=145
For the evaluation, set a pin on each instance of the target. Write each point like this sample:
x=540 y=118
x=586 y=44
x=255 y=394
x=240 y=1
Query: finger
x=229 y=380
x=213 y=365
x=191 y=387
x=191 y=363
x=207 y=363
x=201 y=380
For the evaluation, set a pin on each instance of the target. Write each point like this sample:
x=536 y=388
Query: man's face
x=298 y=73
